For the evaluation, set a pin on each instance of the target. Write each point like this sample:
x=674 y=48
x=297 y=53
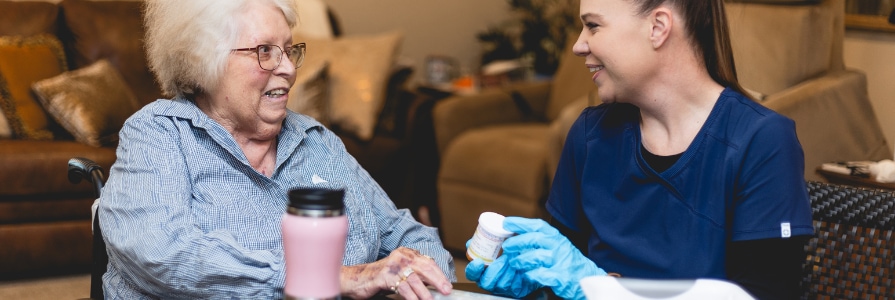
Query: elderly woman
x=193 y=204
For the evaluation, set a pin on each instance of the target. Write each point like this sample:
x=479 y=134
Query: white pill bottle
x=488 y=237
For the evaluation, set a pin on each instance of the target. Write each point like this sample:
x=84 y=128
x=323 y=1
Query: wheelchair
x=85 y=169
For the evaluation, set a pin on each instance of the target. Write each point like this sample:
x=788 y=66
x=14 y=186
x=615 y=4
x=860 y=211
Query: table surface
x=469 y=290
x=856 y=181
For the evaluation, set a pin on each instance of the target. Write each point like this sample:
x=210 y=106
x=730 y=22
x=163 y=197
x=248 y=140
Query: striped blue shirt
x=184 y=215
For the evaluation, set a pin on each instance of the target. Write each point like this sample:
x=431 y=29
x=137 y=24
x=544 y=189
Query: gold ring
x=406 y=273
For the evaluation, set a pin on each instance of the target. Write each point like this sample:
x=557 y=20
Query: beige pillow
x=308 y=95
x=92 y=103
x=358 y=71
x=313 y=19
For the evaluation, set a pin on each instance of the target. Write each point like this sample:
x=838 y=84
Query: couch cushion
x=28 y=18
x=506 y=159
x=43 y=249
x=571 y=81
x=40 y=167
x=47 y=207
x=92 y=103
x=502 y=169
x=23 y=61
x=779 y=46
x=112 y=30
x=358 y=72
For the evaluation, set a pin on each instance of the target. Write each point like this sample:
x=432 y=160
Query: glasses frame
x=302 y=47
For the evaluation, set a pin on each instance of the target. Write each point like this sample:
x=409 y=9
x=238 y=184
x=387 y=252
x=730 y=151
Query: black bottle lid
x=311 y=202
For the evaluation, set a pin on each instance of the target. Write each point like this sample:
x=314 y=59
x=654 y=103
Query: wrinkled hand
x=405 y=271
x=548 y=257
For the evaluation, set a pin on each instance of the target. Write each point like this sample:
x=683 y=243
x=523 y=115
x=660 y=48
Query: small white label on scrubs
x=784 y=230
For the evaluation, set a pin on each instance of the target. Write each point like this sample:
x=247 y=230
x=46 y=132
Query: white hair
x=187 y=42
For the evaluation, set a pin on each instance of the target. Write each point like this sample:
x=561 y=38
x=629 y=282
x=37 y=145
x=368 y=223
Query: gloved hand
x=499 y=278
x=548 y=257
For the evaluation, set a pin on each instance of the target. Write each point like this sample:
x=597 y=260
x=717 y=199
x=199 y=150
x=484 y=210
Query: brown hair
x=706 y=23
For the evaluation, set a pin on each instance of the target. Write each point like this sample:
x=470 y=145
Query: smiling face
x=615 y=43
x=251 y=101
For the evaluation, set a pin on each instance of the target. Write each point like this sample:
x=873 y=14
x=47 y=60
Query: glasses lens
x=297 y=54
x=269 y=56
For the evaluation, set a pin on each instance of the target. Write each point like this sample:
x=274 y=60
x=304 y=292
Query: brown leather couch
x=45 y=219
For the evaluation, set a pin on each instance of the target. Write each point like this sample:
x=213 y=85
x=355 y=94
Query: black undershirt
x=658 y=162
x=766 y=268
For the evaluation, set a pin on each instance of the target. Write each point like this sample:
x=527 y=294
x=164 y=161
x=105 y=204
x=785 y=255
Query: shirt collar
x=296 y=127
x=185 y=109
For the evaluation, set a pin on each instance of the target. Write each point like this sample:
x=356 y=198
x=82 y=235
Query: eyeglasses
x=270 y=56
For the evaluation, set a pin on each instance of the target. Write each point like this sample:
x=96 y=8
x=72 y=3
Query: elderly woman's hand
x=405 y=271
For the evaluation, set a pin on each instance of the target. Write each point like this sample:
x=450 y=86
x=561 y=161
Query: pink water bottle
x=314 y=231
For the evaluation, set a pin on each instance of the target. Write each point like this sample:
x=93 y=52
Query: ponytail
x=706 y=22
x=718 y=55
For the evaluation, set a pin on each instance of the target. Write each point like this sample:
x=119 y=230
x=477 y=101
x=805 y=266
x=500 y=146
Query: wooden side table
x=838 y=178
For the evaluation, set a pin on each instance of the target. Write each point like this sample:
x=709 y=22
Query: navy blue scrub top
x=740 y=179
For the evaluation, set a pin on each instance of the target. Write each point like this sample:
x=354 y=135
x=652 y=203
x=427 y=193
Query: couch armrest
x=454 y=115
x=559 y=129
x=834 y=119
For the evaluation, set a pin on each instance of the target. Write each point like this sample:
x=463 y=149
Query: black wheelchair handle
x=80 y=168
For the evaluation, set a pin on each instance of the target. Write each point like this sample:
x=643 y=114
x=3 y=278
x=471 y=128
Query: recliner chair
x=499 y=148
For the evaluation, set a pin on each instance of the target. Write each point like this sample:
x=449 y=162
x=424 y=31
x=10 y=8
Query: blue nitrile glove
x=499 y=278
x=548 y=257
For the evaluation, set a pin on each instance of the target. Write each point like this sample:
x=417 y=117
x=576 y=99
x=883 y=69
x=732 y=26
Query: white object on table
x=608 y=287
x=883 y=171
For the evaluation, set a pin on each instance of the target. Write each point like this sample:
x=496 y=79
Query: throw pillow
x=110 y=30
x=308 y=95
x=24 y=60
x=92 y=102
x=358 y=73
